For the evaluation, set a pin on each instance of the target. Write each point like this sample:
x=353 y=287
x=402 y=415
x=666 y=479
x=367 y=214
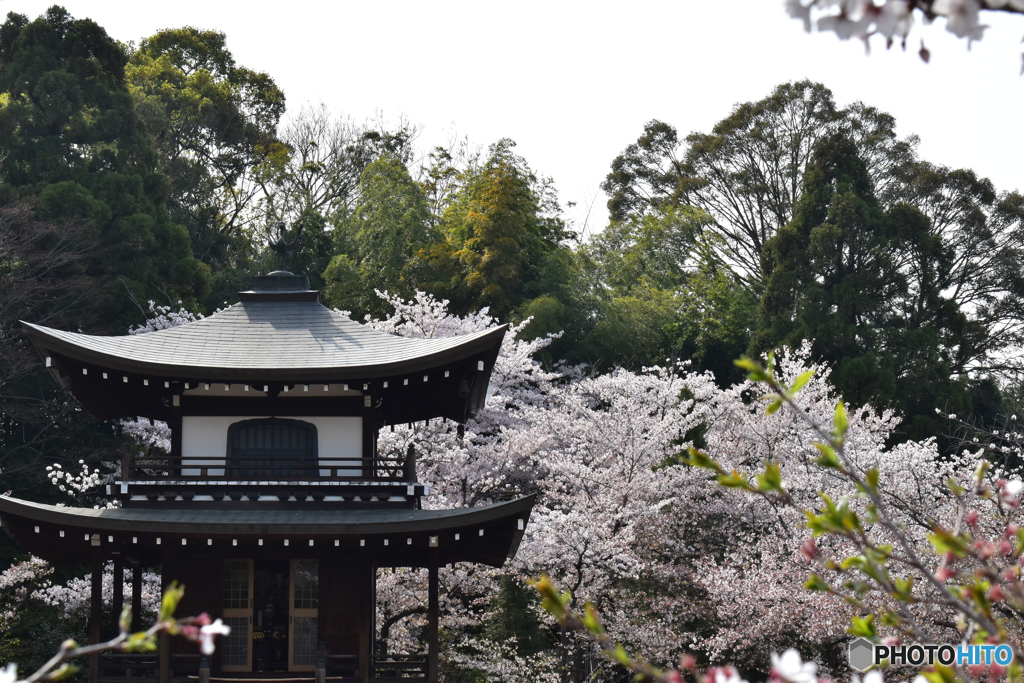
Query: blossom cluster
x=74 y=597
x=894 y=19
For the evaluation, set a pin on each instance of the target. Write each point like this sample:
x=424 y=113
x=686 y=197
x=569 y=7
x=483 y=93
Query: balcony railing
x=195 y=468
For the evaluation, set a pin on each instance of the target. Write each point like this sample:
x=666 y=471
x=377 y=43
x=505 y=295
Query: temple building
x=273 y=507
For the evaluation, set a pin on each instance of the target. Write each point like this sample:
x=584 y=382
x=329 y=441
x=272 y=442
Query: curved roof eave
x=413 y=356
x=270 y=522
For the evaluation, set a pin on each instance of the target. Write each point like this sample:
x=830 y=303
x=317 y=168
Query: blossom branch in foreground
x=977 y=579
x=199 y=629
x=894 y=19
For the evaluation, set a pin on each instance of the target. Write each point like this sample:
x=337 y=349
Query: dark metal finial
x=281 y=247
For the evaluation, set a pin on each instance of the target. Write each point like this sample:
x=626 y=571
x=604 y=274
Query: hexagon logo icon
x=860 y=652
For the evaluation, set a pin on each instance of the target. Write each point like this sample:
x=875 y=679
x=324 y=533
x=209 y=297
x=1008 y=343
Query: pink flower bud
x=1010 y=531
x=972 y=518
x=1009 y=575
x=996 y=671
x=944 y=573
x=809 y=549
x=1005 y=548
x=976 y=670
x=688 y=662
x=203 y=620
x=674 y=676
x=996 y=594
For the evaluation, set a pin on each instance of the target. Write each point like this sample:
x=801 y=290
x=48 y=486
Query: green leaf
x=800 y=381
x=945 y=541
x=872 y=478
x=771 y=479
x=891 y=619
x=828 y=457
x=591 y=621
x=172 y=596
x=698 y=459
x=842 y=421
x=618 y=653
x=755 y=373
x=140 y=642
x=125 y=621
x=864 y=627
x=904 y=590
x=552 y=600
x=816 y=583
x=734 y=480
x=955 y=487
x=64 y=671
x=773 y=406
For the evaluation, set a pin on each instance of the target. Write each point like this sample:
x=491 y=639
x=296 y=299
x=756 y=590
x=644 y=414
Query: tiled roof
x=264 y=336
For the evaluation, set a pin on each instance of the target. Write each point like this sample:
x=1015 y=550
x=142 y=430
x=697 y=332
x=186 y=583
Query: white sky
x=573 y=83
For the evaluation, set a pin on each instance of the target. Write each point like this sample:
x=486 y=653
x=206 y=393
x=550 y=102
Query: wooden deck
x=145 y=668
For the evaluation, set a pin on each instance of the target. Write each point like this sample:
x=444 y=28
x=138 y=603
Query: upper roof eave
x=82 y=347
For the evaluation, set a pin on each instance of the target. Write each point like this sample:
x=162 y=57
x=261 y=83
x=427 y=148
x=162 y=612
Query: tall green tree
x=75 y=149
x=747 y=173
x=316 y=188
x=865 y=287
x=663 y=294
x=213 y=124
x=501 y=230
x=388 y=227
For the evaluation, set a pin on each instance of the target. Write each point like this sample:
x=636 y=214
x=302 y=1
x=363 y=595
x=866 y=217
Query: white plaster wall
x=204 y=440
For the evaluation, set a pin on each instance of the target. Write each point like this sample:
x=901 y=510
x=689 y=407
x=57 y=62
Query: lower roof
x=57 y=533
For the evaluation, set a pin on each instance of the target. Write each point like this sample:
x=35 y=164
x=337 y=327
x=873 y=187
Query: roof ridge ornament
x=281 y=285
x=282 y=248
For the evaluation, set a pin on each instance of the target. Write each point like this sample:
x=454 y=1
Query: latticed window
x=272 y=448
x=235 y=646
x=304 y=630
x=236 y=585
x=307 y=584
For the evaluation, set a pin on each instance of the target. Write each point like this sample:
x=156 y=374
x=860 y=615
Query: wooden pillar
x=136 y=597
x=369 y=436
x=369 y=607
x=164 y=675
x=118 y=601
x=174 y=422
x=433 y=640
x=95 y=612
x=164 y=671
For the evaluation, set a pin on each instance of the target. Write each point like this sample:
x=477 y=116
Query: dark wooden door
x=272 y=448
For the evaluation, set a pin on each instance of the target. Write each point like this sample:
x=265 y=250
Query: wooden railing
x=399 y=668
x=326 y=467
x=145 y=668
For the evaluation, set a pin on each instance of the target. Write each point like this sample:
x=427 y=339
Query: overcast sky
x=573 y=83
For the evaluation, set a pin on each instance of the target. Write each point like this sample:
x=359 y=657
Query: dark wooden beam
x=118 y=601
x=136 y=597
x=95 y=611
x=367 y=626
x=433 y=639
